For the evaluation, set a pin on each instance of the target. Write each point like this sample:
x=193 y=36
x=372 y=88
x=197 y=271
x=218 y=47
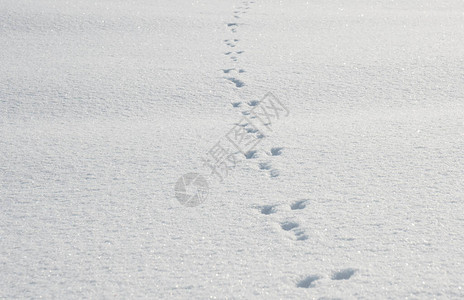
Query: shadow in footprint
x=276 y=151
x=275 y=173
x=250 y=154
x=236 y=104
x=287 y=226
x=251 y=130
x=238 y=83
x=300 y=236
x=265 y=166
x=299 y=204
x=308 y=281
x=253 y=103
x=343 y=274
x=268 y=209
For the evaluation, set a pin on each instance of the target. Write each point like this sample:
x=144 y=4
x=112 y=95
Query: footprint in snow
x=253 y=103
x=238 y=83
x=276 y=151
x=293 y=226
x=308 y=281
x=268 y=209
x=343 y=274
x=298 y=204
x=274 y=173
x=251 y=154
x=265 y=166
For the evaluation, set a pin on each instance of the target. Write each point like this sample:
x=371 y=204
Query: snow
x=357 y=193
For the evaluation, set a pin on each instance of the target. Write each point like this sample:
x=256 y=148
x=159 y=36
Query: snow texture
x=357 y=193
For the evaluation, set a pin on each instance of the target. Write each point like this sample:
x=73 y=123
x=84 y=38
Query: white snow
x=357 y=193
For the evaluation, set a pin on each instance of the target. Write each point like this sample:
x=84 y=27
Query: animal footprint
x=265 y=166
x=253 y=103
x=299 y=234
x=236 y=104
x=343 y=274
x=298 y=204
x=289 y=225
x=227 y=70
x=268 y=209
x=250 y=154
x=308 y=281
x=276 y=151
x=238 y=83
x=275 y=173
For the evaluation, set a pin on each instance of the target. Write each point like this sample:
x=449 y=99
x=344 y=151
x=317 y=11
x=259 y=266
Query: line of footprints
x=299 y=235
x=266 y=165
x=232 y=75
x=310 y=281
x=289 y=226
x=232 y=43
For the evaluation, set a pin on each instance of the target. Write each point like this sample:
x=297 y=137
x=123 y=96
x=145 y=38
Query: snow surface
x=356 y=194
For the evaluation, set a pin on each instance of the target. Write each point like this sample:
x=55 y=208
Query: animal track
x=298 y=204
x=250 y=154
x=288 y=225
x=238 y=83
x=227 y=71
x=344 y=274
x=251 y=130
x=276 y=151
x=236 y=104
x=275 y=173
x=253 y=103
x=268 y=209
x=308 y=281
x=265 y=166
x=293 y=226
